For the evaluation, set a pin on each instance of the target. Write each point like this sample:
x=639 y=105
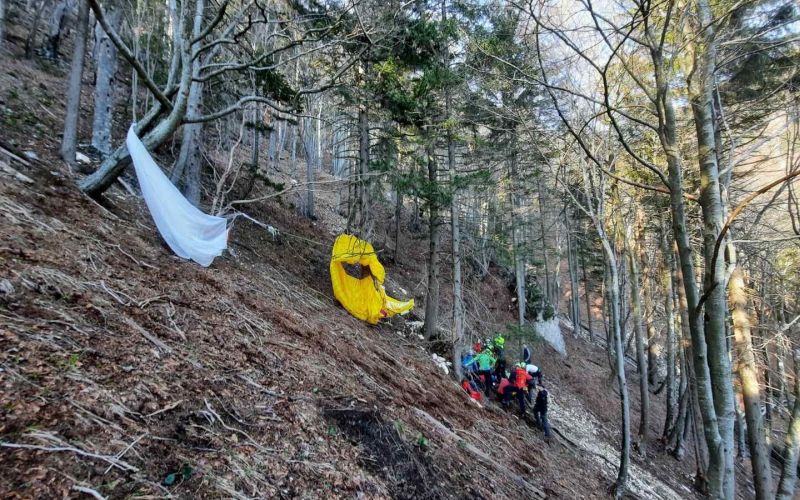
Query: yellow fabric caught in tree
x=364 y=297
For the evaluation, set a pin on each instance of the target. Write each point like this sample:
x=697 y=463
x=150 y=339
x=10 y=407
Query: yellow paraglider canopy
x=364 y=297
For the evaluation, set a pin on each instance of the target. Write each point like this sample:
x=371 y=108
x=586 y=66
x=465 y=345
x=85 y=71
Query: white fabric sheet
x=189 y=232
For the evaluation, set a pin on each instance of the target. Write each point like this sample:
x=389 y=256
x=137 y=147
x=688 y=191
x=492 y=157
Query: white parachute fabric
x=551 y=332
x=190 y=233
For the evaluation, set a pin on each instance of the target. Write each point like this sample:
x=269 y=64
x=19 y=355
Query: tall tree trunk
x=256 y=139
x=458 y=294
x=188 y=167
x=782 y=385
x=638 y=329
x=791 y=448
x=70 y=137
x=309 y=145
x=253 y=154
x=455 y=215
x=106 y=64
x=746 y=367
x=174 y=27
x=281 y=142
x=586 y=288
x=319 y=138
x=516 y=239
x=606 y=294
x=666 y=284
x=687 y=388
x=572 y=263
x=616 y=327
x=293 y=157
x=701 y=88
x=648 y=313
x=30 y=42
x=667 y=132
x=548 y=289
x=678 y=431
x=2 y=24
x=740 y=427
x=272 y=148
x=702 y=377
x=362 y=217
x=398 y=215
x=432 y=299
x=55 y=28
x=769 y=397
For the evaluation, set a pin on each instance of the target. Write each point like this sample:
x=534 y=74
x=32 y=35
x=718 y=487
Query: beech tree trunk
x=638 y=329
x=458 y=299
x=701 y=88
x=272 y=148
x=740 y=427
x=548 y=290
x=616 y=327
x=54 y=29
x=652 y=336
x=702 y=377
x=293 y=157
x=254 y=156
x=782 y=386
x=188 y=167
x=572 y=262
x=751 y=394
x=281 y=142
x=70 y=137
x=174 y=26
x=516 y=239
x=30 y=42
x=2 y=24
x=106 y=63
x=688 y=387
x=586 y=288
x=310 y=147
x=256 y=140
x=676 y=437
x=791 y=447
x=666 y=284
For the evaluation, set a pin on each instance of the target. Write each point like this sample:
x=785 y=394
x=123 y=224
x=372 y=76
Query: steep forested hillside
x=611 y=186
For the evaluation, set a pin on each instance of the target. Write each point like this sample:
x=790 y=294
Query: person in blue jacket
x=468 y=362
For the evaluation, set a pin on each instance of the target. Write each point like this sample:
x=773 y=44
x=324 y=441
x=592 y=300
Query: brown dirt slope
x=123 y=364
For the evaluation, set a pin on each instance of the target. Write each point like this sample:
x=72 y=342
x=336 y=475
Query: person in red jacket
x=518 y=385
x=471 y=389
x=501 y=388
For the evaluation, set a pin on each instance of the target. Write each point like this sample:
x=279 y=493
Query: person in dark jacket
x=500 y=369
x=526 y=354
x=540 y=410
